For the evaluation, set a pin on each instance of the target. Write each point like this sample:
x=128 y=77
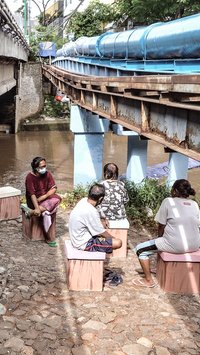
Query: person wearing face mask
x=85 y=227
x=41 y=189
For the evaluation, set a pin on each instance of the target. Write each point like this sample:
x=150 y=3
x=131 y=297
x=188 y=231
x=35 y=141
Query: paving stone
x=4 y=335
x=27 y=350
x=161 y=351
x=14 y=343
x=83 y=349
x=136 y=349
x=94 y=325
x=2 y=309
x=146 y=342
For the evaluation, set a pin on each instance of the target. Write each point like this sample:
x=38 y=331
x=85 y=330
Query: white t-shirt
x=181 y=218
x=84 y=223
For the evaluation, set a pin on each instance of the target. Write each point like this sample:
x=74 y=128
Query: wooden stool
x=32 y=228
x=179 y=273
x=9 y=203
x=119 y=229
x=84 y=269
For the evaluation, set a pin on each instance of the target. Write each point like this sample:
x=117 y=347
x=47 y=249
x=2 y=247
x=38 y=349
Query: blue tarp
x=159 y=170
x=47 y=49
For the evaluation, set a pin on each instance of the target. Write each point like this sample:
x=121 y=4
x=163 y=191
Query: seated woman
x=41 y=194
x=116 y=197
x=178 y=229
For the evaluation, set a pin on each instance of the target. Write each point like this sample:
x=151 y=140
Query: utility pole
x=26 y=35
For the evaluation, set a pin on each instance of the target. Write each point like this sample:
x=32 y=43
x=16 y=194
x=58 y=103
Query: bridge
x=144 y=83
x=13 y=48
x=151 y=103
x=18 y=78
x=164 y=108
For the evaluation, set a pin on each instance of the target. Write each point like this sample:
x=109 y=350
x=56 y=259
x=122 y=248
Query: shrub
x=55 y=108
x=70 y=198
x=144 y=200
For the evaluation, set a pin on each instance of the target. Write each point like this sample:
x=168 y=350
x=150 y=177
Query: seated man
x=85 y=227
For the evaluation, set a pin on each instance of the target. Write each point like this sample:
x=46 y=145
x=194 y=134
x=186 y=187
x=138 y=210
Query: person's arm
x=105 y=222
x=161 y=228
x=49 y=193
x=37 y=211
x=106 y=235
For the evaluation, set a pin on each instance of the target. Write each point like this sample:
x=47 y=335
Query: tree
x=142 y=13
x=42 y=6
x=92 y=21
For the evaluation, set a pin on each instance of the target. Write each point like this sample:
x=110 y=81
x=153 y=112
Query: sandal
x=52 y=244
x=116 y=280
x=142 y=283
x=109 y=275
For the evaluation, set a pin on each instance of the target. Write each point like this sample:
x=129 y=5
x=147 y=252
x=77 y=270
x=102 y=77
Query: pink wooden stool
x=179 y=273
x=84 y=269
x=9 y=203
x=119 y=229
x=32 y=228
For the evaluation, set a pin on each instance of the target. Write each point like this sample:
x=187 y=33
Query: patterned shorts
x=99 y=244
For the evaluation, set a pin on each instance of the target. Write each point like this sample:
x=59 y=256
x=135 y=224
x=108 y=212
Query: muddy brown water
x=17 y=151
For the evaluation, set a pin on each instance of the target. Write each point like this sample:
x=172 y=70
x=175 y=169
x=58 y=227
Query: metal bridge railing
x=10 y=26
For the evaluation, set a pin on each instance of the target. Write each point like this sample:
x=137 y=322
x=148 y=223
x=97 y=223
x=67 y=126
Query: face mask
x=42 y=170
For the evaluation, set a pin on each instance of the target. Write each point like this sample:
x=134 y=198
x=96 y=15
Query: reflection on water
x=18 y=150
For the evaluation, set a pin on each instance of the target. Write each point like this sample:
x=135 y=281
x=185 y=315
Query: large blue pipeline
x=178 y=39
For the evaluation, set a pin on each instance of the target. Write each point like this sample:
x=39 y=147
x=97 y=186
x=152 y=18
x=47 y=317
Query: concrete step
x=57 y=125
x=5 y=128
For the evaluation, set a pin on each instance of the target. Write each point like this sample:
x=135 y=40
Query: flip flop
x=116 y=280
x=52 y=244
x=141 y=272
x=109 y=275
x=141 y=283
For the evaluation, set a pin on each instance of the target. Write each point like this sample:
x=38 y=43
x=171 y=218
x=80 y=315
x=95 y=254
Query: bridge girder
x=163 y=108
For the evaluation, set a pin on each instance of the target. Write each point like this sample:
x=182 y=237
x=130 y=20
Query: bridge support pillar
x=137 y=154
x=178 y=167
x=88 y=132
x=137 y=159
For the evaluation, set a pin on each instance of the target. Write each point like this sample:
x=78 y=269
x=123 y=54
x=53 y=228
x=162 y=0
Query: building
x=55 y=17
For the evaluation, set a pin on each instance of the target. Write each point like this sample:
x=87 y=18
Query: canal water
x=17 y=152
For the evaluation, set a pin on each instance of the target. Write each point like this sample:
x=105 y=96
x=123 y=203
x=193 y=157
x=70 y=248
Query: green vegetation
x=81 y=25
x=43 y=34
x=54 y=108
x=144 y=200
x=122 y=12
x=147 y=12
x=70 y=198
x=94 y=19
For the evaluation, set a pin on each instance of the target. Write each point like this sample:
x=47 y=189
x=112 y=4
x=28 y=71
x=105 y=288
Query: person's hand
x=37 y=212
x=105 y=223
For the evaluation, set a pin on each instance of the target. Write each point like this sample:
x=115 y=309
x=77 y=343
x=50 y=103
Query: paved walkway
x=39 y=316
